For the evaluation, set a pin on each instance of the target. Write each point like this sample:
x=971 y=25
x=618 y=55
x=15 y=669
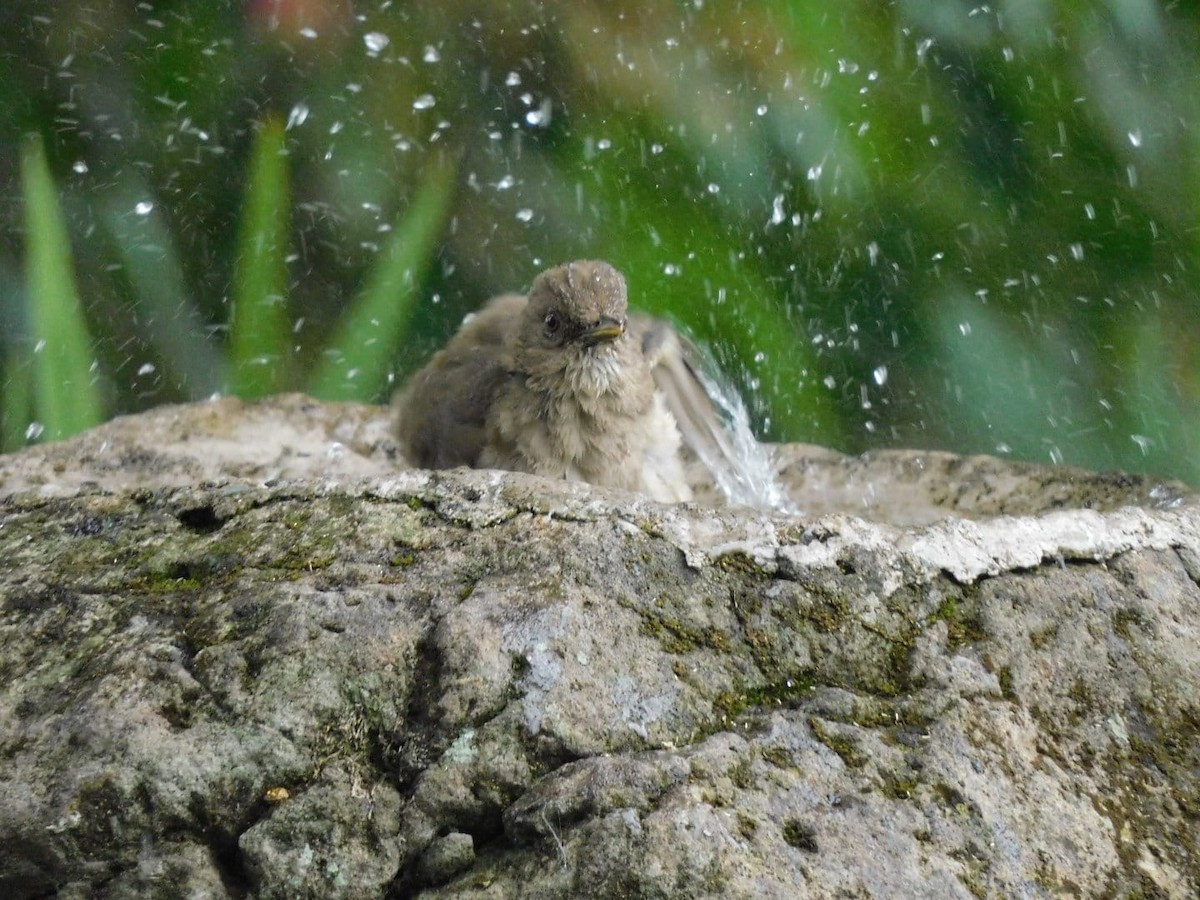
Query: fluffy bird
x=563 y=383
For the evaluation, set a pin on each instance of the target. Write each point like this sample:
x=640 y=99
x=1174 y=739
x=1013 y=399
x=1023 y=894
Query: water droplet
x=814 y=173
x=1077 y=251
x=79 y=167
x=505 y=183
x=525 y=215
x=376 y=42
x=714 y=188
x=1131 y=172
x=603 y=143
x=880 y=375
x=297 y=117
x=540 y=117
x=1135 y=137
x=777 y=213
x=146 y=369
x=829 y=381
x=144 y=208
x=1089 y=211
x=512 y=79
x=964 y=329
x=847 y=67
x=431 y=54
x=311 y=33
x=1144 y=443
x=34 y=430
x=762 y=110
x=425 y=101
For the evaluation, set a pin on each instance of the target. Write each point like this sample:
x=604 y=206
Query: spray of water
x=745 y=470
x=713 y=420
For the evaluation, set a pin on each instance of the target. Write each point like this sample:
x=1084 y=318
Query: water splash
x=747 y=477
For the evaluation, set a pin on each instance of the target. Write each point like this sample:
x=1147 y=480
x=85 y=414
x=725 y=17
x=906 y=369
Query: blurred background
x=921 y=223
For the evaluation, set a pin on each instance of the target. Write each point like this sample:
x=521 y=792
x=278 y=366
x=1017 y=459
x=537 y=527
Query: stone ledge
x=247 y=655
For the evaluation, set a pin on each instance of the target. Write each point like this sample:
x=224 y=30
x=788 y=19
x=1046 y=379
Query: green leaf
x=18 y=399
x=66 y=400
x=164 y=313
x=355 y=362
x=259 y=327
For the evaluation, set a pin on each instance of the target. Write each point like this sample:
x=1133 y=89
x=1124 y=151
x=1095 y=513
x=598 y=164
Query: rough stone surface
x=246 y=654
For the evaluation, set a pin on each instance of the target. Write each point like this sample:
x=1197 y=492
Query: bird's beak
x=607 y=329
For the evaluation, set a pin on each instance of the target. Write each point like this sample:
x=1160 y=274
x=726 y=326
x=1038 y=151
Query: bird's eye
x=553 y=323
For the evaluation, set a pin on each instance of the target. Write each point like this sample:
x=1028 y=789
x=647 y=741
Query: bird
x=564 y=382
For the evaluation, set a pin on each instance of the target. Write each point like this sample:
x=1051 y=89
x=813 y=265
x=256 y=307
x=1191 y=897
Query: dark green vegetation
x=930 y=224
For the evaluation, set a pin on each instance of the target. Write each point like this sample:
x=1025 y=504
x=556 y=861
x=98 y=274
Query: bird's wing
x=676 y=364
x=441 y=413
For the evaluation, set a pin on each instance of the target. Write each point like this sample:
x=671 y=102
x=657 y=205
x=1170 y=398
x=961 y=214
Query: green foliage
x=261 y=324
x=355 y=364
x=18 y=399
x=65 y=398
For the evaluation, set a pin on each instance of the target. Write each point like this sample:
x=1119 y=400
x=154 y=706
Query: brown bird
x=563 y=383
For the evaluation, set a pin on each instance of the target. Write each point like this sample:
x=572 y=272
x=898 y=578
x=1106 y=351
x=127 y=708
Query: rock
x=247 y=654
x=446 y=857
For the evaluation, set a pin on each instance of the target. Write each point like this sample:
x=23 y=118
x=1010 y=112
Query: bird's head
x=574 y=325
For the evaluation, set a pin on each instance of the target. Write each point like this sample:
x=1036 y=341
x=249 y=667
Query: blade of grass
x=66 y=400
x=259 y=327
x=354 y=364
x=163 y=314
x=18 y=399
